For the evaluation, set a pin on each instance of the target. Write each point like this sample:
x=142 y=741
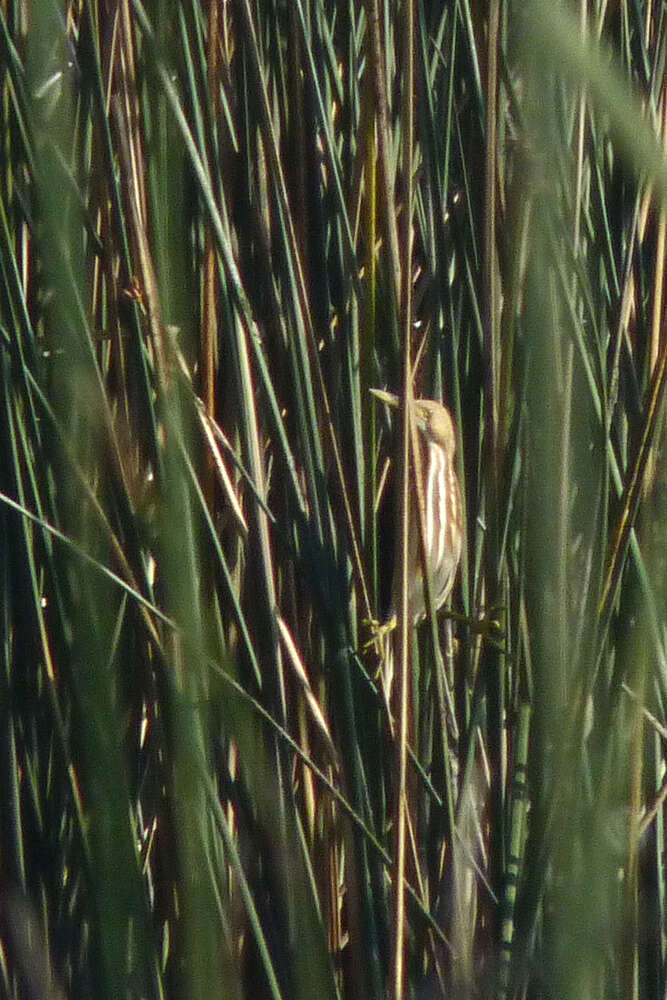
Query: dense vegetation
x=220 y=225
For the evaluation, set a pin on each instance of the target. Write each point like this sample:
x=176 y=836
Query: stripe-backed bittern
x=443 y=514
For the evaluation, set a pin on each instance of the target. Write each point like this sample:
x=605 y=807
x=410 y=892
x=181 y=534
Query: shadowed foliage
x=221 y=224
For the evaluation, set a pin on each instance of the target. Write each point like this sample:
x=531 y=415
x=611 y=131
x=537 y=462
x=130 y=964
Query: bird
x=443 y=517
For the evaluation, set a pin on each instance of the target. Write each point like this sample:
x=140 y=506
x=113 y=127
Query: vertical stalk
x=405 y=614
x=494 y=435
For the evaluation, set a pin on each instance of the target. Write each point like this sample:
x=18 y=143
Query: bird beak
x=386 y=397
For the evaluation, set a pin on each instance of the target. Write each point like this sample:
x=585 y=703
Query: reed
x=221 y=224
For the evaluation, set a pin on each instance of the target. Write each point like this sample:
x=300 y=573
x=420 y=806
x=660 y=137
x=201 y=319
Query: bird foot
x=378 y=631
x=489 y=625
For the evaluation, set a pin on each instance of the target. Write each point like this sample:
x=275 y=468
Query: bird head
x=435 y=422
x=432 y=418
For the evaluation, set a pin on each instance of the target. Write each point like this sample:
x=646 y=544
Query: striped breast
x=442 y=511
